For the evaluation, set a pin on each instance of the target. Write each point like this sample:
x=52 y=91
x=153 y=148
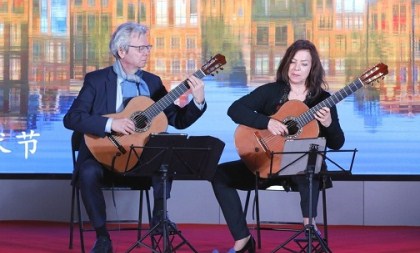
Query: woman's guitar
x=113 y=151
x=256 y=147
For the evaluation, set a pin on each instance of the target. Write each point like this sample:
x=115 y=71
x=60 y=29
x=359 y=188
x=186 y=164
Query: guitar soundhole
x=292 y=126
x=141 y=122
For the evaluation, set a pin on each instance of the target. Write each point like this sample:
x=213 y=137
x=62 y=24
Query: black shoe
x=102 y=245
x=313 y=233
x=159 y=229
x=249 y=247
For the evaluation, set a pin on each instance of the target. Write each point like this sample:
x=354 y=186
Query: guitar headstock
x=215 y=63
x=376 y=73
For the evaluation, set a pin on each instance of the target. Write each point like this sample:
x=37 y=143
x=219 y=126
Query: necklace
x=298 y=93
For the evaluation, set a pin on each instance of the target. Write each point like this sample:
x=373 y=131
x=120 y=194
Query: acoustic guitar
x=256 y=147
x=113 y=151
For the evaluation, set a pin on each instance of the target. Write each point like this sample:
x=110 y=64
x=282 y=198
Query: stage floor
x=34 y=237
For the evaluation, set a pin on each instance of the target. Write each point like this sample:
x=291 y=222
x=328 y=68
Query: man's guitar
x=256 y=147
x=113 y=151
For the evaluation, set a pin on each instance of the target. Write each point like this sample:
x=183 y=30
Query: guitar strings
x=271 y=137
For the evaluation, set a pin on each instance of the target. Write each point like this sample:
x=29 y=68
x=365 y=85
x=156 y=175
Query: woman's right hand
x=277 y=128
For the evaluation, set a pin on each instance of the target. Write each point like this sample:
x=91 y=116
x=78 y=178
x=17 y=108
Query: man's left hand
x=197 y=89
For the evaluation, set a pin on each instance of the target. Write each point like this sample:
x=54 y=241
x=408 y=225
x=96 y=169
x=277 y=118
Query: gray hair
x=121 y=37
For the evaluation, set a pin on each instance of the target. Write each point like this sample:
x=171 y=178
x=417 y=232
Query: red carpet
x=37 y=237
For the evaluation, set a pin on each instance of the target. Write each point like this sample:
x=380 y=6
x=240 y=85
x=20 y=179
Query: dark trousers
x=235 y=175
x=229 y=177
x=92 y=175
x=302 y=184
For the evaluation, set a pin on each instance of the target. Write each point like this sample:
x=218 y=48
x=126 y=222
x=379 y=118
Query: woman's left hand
x=324 y=116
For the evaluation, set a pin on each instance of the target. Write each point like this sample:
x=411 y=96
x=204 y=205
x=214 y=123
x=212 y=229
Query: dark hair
x=316 y=79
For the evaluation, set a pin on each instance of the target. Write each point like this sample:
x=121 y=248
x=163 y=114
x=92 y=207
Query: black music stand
x=313 y=166
x=179 y=157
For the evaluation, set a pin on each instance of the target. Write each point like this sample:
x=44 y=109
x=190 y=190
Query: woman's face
x=300 y=67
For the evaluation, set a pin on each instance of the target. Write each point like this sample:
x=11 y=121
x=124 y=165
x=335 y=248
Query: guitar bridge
x=262 y=143
x=116 y=144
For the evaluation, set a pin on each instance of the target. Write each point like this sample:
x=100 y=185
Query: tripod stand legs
x=313 y=242
x=167 y=235
x=169 y=243
x=163 y=237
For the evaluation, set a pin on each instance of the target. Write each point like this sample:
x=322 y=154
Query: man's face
x=137 y=55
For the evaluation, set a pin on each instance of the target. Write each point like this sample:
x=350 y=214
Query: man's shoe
x=102 y=245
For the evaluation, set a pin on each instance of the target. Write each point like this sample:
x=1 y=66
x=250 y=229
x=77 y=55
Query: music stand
x=295 y=156
x=179 y=157
x=314 y=159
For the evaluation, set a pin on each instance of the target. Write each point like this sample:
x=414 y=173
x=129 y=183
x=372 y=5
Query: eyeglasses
x=142 y=49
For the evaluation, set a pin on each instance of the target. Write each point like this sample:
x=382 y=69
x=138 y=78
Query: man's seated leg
x=91 y=176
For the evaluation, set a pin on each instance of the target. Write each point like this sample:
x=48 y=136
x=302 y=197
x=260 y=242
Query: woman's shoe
x=313 y=233
x=249 y=246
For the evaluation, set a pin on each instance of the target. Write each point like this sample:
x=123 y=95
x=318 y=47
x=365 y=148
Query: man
x=105 y=92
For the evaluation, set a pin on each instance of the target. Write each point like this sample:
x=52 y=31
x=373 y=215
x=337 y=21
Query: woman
x=300 y=76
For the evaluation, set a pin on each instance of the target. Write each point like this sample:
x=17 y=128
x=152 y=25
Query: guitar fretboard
x=338 y=96
x=156 y=108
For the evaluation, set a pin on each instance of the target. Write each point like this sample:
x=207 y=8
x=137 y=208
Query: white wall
x=349 y=203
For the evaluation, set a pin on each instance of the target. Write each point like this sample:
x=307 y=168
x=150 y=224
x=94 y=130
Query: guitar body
x=254 y=146
x=105 y=150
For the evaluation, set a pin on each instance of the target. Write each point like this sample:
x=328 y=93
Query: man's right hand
x=123 y=126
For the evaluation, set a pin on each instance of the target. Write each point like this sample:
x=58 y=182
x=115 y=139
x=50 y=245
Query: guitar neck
x=329 y=102
x=170 y=98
